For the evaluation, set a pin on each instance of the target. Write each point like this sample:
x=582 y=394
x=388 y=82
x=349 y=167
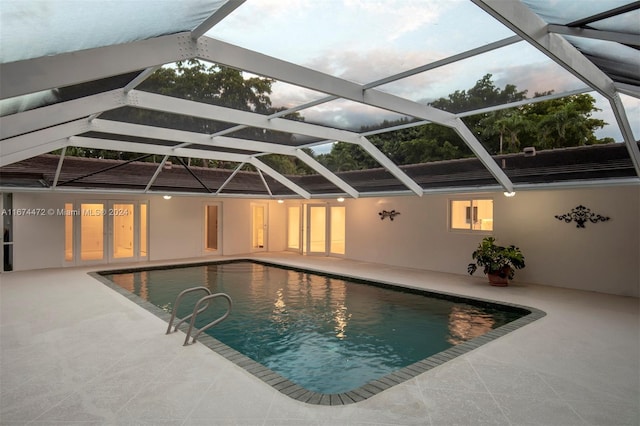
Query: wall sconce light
x=166 y=197
x=390 y=214
x=509 y=194
x=340 y=199
x=280 y=201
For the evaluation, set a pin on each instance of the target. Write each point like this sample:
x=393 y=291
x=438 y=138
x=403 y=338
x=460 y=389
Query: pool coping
x=369 y=389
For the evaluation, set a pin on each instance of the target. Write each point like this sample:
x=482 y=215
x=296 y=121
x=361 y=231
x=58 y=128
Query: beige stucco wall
x=602 y=257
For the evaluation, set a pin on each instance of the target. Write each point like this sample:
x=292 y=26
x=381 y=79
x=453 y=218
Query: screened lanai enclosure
x=274 y=99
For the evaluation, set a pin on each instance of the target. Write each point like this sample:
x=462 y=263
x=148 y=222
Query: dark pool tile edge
x=366 y=391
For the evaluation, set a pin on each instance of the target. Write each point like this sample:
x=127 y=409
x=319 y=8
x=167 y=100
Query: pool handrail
x=212 y=323
x=177 y=302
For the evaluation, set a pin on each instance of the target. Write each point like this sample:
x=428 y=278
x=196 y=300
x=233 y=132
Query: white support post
x=59 y=168
x=533 y=29
x=223 y=11
x=627 y=133
x=277 y=176
x=390 y=166
x=156 y=173
x=140 y=78
x=330 y=176
x=230 y=178
x=264 y=182
x=463 y=131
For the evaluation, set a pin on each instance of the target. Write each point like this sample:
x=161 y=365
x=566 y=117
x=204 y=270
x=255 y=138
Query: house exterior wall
x=603 y=257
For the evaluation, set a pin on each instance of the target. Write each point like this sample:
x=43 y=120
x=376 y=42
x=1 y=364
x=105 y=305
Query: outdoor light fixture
x=166 y=197
x=340 y=199
x=280 y=201
x=509 y=194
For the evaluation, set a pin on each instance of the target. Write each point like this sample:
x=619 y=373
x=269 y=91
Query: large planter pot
x=500 y=280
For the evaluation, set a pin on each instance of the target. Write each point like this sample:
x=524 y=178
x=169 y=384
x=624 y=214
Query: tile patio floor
x=74 y=352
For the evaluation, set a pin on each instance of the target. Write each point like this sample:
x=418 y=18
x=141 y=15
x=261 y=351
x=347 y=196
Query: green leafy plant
x=495 y=259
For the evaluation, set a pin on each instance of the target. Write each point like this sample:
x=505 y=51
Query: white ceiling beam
x=181 y=106
x=260 y=64
x=463 y=131
x=40 y=118
x=280 y=178
x=527 y=101
x=188 y=138
x=234 y=56
x=625 y=128
x=143 y=148
x=222 y=12
x=140 y=78
x=10 y=157
x=156 y=102
x=446 y=61
x=30 y=142
x=390 y=166
x=533 y=29
x=50 y=72
x=326 y=173
x=625 y=38
x=528 y=25
x=628 y=89
x=113 y=127
x=468 y=137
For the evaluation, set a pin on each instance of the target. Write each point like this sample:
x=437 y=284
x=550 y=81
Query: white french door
x=106 y=232
x=325 y=229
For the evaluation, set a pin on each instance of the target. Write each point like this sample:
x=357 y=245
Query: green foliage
x=287 y=165
x=495 y=259
x=545 y=125
x=211 y=84
x=549 y=124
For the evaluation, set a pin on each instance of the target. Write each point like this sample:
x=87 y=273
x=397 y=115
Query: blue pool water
x=326 y=334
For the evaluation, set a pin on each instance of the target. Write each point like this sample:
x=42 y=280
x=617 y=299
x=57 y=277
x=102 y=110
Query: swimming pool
x=324 y=339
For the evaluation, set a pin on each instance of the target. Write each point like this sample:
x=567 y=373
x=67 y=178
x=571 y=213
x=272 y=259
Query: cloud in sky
x=365 y=40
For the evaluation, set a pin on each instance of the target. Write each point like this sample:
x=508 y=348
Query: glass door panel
x=123 y=230
x=258 y=227
x=337 y=230
x=144 y=247
x=317 y=229
x=293 y=228
x=68 y=232
x=92 y=231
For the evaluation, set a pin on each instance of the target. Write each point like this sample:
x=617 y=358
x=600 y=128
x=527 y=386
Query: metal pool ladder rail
x=196 y=310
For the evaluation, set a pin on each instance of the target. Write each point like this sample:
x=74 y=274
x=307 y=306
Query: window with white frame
x=472 y=215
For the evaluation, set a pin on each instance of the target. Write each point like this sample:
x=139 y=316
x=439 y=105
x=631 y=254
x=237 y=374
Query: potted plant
x=499 y=262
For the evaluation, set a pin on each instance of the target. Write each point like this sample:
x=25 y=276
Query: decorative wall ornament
x=581 y=215
x=390 y=214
